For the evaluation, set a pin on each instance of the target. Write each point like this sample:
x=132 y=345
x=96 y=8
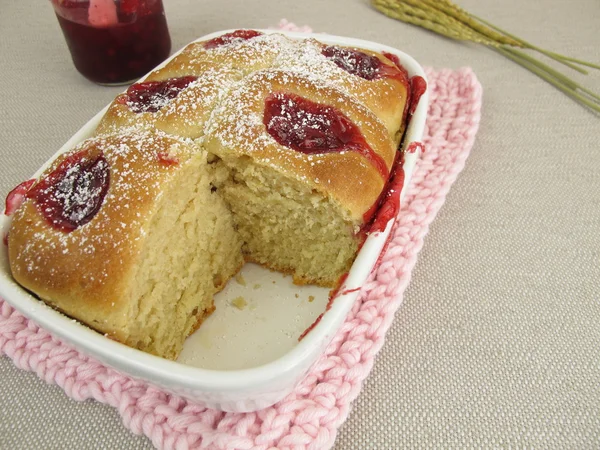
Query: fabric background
x=496 y=343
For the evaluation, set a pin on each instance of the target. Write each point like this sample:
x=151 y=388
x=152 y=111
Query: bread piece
x=178 y=106
x=245 y=51
x=363 y=74
x=134 y=241
x=299 y=212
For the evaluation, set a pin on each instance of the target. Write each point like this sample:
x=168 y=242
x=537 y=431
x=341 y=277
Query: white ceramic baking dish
x=246 y=356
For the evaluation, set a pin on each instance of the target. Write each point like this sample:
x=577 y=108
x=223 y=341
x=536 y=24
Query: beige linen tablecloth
x=497 y=343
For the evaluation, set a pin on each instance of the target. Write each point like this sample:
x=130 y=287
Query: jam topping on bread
x=151 y=96
x=235 y=36
x=16 y=196
x=72 y=194
x=359 y=63
x=313 y=128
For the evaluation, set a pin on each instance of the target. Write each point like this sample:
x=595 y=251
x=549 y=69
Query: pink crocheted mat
x=310 y=416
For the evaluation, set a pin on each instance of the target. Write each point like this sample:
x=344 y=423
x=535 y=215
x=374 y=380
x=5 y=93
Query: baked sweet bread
x=245 y=51
x=246 y=147
x=125 y=234
x=178 y=105
x=305 y=163
x=370 y=77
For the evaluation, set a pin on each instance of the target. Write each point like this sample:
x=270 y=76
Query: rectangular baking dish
x=247 y=355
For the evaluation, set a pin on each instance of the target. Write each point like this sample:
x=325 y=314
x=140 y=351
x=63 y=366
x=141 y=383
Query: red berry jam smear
x=166 y=159
x=229 y=38
x=151 y=96
x=17 y=196
x=361 y=64
x=310 y=327
x=72 y=194
x=313 y=128
x=401 y=68
x=388 y=204
x=415 y=86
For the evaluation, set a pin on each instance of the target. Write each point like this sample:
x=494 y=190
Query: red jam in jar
x=114 y=42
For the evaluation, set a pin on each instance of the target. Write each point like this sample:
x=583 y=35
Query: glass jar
x=114 y=41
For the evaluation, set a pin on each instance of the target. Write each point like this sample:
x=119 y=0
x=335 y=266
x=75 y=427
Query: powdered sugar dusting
x=182 y=114
x=108 y=240
x=246 y=56
x=378 y=93
x=238 y=119
x=187 y=114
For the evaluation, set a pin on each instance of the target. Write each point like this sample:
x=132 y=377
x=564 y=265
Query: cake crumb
x=296 y=295
x=311 y=298
x=239 y=302
x=240 y=279
x=257 y=286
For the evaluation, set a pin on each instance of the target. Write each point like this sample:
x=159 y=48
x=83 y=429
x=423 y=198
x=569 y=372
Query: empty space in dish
x=259 y=317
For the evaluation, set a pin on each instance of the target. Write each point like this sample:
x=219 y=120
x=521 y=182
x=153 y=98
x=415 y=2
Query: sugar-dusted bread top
x=178 y=97
x=307 y=130
x=368 y=76
x=245 y=51
x=178 y=105
x=75 y=241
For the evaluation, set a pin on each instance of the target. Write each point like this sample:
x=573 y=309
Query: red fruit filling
x=236 y=36
x=418 y=86
x=414 y=146
x=167 y=159
x=354 y=62
x=72 y=194
x=17 y=196
x=360 y=64
x=403 y=72
x=388 y=204
x=415 y=86
x=313 y=128
x=151 y=96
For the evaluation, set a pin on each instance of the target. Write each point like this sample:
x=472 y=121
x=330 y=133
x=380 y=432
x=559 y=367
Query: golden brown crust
x=236 y=129
x=297 y=279
x=245 y=56
x=85 y=272
x=184 y=115
x=119 y=117
x=203 y=315
x=384 y=96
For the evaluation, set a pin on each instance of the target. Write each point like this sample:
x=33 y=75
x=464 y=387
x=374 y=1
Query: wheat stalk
x=446 y=18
